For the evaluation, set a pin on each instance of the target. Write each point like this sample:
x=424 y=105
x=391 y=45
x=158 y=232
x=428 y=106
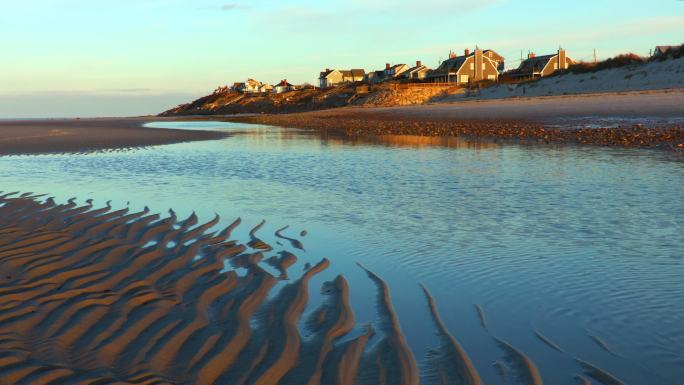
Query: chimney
x=387 y=66
x=531 y=55
x=419 y=63
x=327 y=70
x=467 y=52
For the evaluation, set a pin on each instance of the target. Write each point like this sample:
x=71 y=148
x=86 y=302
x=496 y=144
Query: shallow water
x=582 y=244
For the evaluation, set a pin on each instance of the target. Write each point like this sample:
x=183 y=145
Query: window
x=472 y=66
x=491 y=77
x=465 y=78
x=483 y=66
x=555 y=66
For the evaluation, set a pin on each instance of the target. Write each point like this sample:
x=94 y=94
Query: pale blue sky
x=85 y=58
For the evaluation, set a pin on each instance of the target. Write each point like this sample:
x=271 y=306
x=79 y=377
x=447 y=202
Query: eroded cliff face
x=227 y=103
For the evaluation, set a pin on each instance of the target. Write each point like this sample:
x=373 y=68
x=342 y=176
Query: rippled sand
x=101 y=296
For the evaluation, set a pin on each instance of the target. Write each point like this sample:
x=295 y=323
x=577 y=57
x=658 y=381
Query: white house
x=283 y=86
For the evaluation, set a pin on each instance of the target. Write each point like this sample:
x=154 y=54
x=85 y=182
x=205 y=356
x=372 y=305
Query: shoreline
x=644 y=119
x=49 y=136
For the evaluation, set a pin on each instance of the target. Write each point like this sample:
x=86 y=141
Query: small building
x=265 y=88
x=375 y=77
x=419 y=72
x=250 y=86
x=330 y=78
x=664 y=50
x=394 y=71
x=472 y=67
x=283 y=86
x=539 y=66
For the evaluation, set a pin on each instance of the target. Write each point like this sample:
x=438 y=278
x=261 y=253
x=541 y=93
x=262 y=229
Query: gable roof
x=493 y=55
x=663 y=49
x=353 y=73
x=284 y=83
x=326 y=73
x=536 y=63
x=421 y=67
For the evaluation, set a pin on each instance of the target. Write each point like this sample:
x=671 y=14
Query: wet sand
x=95 y=295
x=638 y=119
x=76 y=135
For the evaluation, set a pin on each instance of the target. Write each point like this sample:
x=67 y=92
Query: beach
x=632 y=119
x=80 y=135
x=344 y=283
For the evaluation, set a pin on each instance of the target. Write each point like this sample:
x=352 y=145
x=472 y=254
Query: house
x=250 y=86
x=539 y=66
x=663 y=50
x=419 y=72
x=500 y=61
x=394 y=71
x=265 y=88
x=330 y=78
x=283 y=86
x=472 y=67
x=374 y=77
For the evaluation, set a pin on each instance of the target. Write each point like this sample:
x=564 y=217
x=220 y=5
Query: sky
x=68 y=58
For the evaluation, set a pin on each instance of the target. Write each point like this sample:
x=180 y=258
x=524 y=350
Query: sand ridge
x=102 y=296
x=82 y=135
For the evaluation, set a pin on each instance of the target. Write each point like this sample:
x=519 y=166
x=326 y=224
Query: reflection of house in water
x=416 y=141
x=475 y=66
x=539 y=66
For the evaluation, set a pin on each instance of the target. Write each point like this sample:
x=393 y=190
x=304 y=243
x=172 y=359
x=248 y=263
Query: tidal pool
x=578 y=245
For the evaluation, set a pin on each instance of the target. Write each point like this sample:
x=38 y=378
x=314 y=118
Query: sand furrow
x=451 y=352
x=396 y=361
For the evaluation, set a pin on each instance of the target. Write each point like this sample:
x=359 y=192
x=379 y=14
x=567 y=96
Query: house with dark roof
x=375 y=77
x=394 y=71
x=418 y=72
x=663 y=50
x=539 y=66
x=283 y=86
x=471 y=67
x=250 y=86
x=330 y=78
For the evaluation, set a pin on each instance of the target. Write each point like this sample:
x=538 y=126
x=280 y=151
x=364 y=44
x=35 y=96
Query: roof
x=346 y=73
x=417 y=68
x=494 y=56
x=535 y=64
x=662 y=49
x=451 y=64
x=284 y=83
x=353 y=73
x=324 y=74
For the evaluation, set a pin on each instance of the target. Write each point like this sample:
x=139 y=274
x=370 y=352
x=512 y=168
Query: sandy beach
x=636 y=119
x=76 y=135
x=92 y=295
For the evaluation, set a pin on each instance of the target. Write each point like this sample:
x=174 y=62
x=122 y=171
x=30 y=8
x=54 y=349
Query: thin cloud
x=232 y=7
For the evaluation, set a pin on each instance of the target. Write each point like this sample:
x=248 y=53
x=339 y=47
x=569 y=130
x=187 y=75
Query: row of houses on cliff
x=471 y=67
x=478 y=65
x=252 y=86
